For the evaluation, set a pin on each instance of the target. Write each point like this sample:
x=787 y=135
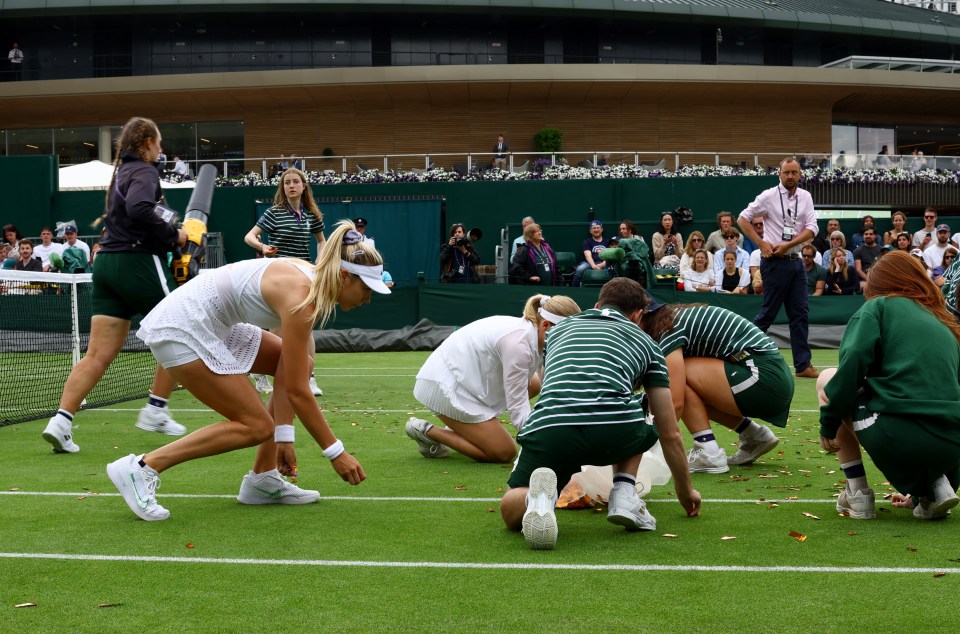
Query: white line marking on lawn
x=469 y=565
x=361 y=498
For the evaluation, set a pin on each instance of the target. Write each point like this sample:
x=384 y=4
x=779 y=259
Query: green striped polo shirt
x=594 y=361
x=290 y=235
x=714 y=332
x=951 y=282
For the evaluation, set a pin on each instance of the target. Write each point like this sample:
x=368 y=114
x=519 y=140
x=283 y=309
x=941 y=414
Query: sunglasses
x=696 y=239
x=808 y=257
x=948 y=257
x=929 y=217
x=758 y=224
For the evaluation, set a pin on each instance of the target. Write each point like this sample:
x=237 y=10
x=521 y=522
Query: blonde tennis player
x=208 y=335
x=481 y=370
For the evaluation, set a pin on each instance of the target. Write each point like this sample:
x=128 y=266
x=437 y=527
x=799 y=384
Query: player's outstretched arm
x=665 y=420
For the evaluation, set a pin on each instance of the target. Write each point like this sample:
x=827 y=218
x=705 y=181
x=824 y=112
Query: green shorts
x=128 y=284
x=911 y=452
x=566 y=448
x=762 y=387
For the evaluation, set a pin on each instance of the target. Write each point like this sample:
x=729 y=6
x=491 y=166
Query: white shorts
x=170 y=354
x=445 y=397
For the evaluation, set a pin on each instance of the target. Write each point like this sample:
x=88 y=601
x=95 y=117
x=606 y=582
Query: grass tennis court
x=420 y=546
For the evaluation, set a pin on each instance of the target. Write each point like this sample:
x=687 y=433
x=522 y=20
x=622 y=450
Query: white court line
x=469 y=565
x=351 y=498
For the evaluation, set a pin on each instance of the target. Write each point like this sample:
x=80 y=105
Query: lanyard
x=785 y=213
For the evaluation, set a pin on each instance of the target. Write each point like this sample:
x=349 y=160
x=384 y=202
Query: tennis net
x=44 y=331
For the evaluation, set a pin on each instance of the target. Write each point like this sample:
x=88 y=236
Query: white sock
x=707 y=440
x=260 y=476
x=942 y=489
x=751 y=429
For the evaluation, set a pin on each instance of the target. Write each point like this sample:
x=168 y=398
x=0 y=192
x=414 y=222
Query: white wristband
x=334 y=450
x=283 y=433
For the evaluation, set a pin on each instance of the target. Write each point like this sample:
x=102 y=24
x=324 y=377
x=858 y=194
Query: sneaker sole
x=58 y=447
x=857 y=515
x=723 y=469
x=291 y=501
x=149 y=427
x=939 y=510
x=764 y=448
x=540 y=531
x=115 y=473
x=631 y=522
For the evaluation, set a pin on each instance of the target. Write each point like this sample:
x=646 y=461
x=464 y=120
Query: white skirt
x=195 y=316
x=443 y=396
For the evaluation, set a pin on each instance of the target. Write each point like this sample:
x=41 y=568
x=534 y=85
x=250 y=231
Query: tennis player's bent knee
x=822 y=380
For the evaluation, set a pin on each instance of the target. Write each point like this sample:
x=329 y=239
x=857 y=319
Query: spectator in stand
x=26 y=261
x=903 y=242
x=695 y=242
x=866 y=254
x=46 y=247
x=162 y=163
x=933 y=254
x=361 y=225
x=526 y=222
x=15 y=57
x=6 y=253
x=699 y=278
x=883 y=158
x=500 y=151
x=179 y=167
x=856 y=240
x=839 y=241
x=816 y=275
x=840 y=279
x=715 y=241
x=748 y=245
x=937 y=273
x=899 y=221
x=71 y=241
x=591 y=252
x=822 y=241
x=11 y=236
x=925 y=237
x=636 y=252
x=730 y=236
x=667 y=244
x=458 y=258
x=731 y=279
x=917 y=161
x=534 y=262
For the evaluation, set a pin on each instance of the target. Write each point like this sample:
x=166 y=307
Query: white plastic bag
x=597 y=481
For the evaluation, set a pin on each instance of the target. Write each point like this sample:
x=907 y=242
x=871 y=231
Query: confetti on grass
x=810 y=515
x=727 y=538
x=800 y=537
x=938 y=574
x=672 y=535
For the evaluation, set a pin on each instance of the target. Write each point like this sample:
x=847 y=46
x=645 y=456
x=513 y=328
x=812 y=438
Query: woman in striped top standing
x=722 y=368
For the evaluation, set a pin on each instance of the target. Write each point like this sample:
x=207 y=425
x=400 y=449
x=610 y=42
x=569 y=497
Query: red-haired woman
x=885 y=399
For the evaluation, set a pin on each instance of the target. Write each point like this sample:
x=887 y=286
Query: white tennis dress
x=219 y=315
x=482 y=370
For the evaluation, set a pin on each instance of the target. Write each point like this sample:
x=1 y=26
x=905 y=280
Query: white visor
x=372 y=276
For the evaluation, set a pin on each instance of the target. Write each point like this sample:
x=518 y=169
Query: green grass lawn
x=420 y=545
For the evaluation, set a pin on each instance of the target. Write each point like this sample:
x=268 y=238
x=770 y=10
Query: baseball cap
x=943 y=227
x=69 y=229
x=917 y=252
x=360 y=222
x=652 y=304
x=595 y=223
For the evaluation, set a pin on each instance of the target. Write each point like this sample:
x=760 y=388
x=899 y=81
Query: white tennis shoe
x=59 y=433
x=158 y=419
x=138 y=486
x=417 y=428
x=270 y=488
x=540 y=521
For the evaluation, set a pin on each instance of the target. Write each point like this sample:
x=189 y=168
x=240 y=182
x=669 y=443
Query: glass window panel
x=220 y=141
x=179 y=139
x=30 y=142
x=77 y=145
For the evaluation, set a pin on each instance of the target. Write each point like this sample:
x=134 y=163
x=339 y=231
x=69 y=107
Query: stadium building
x=233 y=80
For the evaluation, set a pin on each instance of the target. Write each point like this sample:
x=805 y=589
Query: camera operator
x=458 y=258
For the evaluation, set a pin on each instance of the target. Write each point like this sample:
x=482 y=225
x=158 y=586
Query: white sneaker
x=59 y=433
x=314 y=387
x=417 y=429
x=158 y=419
x=628 y=510
x=944 y=499
x=700 y=461
x=539 y=520
x=138 y=487
x=262 y=383
x=860 y=505
x=752 y=446
x=270 y=488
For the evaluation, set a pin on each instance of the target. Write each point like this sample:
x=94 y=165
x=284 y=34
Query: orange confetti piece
x=82 y=497
x=459 y=487
x=489 y=509
x=852 y=533
x=499 y=489
x=727 y=538
x=800 y=537
x=912 y=549
x=14 y=489
x=189 y=545
x=108 y=605
x=25 y=605
x=792 y=497
x=670 y=535
x=767 y=475
x=939 y=574
x=773 y=506
x=810 y=515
